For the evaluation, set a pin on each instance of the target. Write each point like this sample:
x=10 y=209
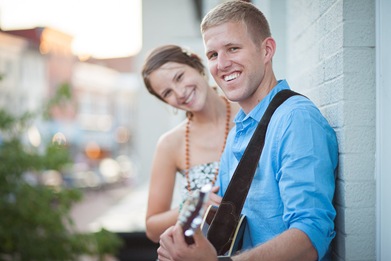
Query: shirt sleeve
x=308 y=155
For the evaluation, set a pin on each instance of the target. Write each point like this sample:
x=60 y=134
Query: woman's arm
x=160 y=216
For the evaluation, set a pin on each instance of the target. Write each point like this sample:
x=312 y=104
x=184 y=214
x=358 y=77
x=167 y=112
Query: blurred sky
x=102 y=28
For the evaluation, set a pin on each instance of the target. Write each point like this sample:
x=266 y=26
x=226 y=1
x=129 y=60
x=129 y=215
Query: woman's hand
x=214 y=199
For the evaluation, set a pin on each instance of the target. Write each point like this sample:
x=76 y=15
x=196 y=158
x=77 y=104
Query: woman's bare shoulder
x=174 y=137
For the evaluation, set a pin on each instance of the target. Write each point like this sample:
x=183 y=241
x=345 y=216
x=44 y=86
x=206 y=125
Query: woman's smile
x=190 y=97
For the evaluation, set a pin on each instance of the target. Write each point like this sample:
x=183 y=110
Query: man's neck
x=268 y=83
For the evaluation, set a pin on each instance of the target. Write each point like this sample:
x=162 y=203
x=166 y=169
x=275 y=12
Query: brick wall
x=331 y=59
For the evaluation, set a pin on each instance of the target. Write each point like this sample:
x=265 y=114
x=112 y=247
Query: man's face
x=236 y=63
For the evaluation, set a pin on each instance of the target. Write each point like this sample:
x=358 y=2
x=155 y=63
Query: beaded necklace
x=187 y=139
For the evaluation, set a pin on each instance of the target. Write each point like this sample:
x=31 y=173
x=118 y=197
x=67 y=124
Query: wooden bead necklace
x=187 y=140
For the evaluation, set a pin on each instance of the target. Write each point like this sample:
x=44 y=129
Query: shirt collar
x=257 y=112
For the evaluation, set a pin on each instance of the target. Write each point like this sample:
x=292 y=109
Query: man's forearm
x=293 y=244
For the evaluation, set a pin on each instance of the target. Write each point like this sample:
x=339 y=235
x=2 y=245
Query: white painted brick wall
x=331 y=59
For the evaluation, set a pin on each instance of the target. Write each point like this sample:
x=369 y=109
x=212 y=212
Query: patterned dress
x=199 y=175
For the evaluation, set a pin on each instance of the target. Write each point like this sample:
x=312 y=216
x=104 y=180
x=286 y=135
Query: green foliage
x=35 y=223
x=60 y=98
x=107 y=242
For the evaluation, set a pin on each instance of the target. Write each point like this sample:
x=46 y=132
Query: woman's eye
x=180 y=76
x=166 y=94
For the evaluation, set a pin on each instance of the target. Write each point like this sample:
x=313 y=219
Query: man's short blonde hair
x=238 y=11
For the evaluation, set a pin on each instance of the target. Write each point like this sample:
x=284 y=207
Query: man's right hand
x=174 y=248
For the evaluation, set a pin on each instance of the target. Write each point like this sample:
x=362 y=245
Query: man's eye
x=212 y=56
x=234 y=48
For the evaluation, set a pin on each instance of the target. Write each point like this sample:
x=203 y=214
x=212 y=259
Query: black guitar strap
x=222 y=228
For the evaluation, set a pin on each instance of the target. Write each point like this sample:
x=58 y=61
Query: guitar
x=192 y=212
x=194 y=215
x=234 y=244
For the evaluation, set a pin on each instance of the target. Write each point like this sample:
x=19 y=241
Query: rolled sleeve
x=306 y=177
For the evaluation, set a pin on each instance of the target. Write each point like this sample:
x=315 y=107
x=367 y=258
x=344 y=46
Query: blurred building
x=23 y=83
x=98 y=121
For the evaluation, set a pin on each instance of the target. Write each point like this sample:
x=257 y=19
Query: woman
x=192 y=148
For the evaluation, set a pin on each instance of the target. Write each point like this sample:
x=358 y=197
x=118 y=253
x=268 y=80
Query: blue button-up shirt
x=294 y=183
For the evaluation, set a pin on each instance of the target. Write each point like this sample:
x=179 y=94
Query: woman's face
x=180 y=85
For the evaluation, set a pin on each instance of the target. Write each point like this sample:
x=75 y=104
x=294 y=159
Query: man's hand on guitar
x=201 y=250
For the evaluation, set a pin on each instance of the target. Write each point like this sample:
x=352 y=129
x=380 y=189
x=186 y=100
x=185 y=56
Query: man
x=289 y=208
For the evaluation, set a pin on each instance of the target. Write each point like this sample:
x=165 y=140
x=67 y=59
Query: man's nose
x=223 y=61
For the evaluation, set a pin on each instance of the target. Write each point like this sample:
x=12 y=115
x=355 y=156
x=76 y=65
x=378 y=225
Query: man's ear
x=269 y=45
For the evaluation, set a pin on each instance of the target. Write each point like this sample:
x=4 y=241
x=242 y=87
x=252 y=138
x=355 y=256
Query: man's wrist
x=224 y=258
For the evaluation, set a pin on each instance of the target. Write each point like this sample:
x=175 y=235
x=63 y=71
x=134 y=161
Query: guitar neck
x=191 y=215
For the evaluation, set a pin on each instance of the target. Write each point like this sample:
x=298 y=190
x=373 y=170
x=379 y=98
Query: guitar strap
x=222 y=228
